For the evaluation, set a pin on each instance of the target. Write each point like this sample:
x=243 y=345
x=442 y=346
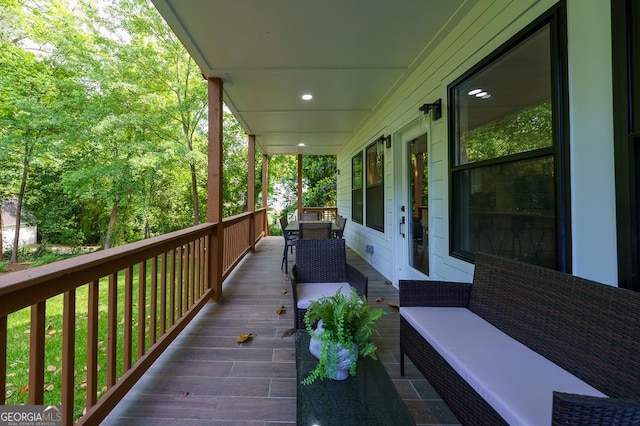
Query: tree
x=34 y=115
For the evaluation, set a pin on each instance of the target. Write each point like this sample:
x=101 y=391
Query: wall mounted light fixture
x=387 y=140
x=436 y=107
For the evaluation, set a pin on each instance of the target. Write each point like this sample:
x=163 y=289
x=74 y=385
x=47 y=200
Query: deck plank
x=206 y=378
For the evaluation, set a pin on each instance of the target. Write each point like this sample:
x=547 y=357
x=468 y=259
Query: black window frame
x=625 y=20
x=357 y=207
x=555 y=18
x=374 y=191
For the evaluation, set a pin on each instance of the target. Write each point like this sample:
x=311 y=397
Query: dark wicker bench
x=589 y=329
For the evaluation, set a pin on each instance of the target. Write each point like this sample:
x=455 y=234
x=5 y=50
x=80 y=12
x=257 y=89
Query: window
x=375 y=185
x=506 y=176
x=356 y=188
x=625 y=24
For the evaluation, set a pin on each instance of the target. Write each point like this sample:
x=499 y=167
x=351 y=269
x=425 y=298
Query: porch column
x=265 y=190
x=251 y=186
x=214 y=188
x=299 y=185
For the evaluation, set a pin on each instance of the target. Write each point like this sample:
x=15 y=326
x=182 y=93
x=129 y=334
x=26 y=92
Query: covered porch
x=206 y=377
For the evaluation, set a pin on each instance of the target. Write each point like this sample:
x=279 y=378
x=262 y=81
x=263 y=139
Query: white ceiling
x=350 y=54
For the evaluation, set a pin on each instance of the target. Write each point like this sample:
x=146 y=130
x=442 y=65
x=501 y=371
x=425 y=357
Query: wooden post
x=265 y=190
x=214 y=188
x=251 y=196
x=299 y=185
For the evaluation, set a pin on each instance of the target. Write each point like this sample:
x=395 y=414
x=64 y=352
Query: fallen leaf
x=52 y=368
x=23 y=389
x=48 y=388
x=288 y=332
x=387 y=282
x=393 y=304
x=379 y=299
x=283 y=291
x=185 y=393
x=50 y=327
x=280 y=310
x=245 y=337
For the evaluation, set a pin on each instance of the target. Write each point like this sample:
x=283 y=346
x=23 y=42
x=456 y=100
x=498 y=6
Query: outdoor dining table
x=294 y=227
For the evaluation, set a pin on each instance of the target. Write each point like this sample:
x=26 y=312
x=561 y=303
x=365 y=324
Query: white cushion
x=516 y=381
x=308 y=292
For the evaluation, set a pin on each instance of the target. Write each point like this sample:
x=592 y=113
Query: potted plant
x=344 y=324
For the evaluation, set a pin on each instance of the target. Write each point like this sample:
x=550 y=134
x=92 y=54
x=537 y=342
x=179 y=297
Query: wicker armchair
x=321 y=269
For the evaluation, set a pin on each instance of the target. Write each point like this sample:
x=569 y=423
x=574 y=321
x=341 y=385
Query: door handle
x=402 y=223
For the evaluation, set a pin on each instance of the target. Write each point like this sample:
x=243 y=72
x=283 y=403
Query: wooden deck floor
x=206 y=378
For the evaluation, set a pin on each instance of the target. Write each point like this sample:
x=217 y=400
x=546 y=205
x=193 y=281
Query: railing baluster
x=36 y=360
x=180 y=279
x=153 y=320
x=3 y=360
x=192 y=260
x=163 y=293
x=92 y=344
x=68 y=355
x=112 y=331
x=128 y=319
x=201 y=266
x=172 y=289
x=142 y=307
x=187 y=276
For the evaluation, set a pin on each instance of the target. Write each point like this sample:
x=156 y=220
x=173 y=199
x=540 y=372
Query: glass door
x=418 y=214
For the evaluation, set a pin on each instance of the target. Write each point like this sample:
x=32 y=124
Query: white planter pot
x=344 y=361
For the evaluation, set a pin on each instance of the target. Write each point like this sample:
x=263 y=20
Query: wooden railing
x=324 y=213
x=123 y=305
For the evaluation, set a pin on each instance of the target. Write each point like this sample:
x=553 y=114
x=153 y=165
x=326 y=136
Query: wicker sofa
x=321 y=269
x=589 y=330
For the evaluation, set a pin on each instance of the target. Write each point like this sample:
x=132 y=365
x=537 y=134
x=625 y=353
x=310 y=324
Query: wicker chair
x=315 y=231
x=321 y=269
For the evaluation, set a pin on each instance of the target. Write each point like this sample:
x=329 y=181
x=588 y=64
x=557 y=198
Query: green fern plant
x=346 y=320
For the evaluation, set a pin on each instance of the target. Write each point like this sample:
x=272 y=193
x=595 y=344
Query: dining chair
x=315 y=231
x=309 y=216
x=341 y=221
x=289 y=243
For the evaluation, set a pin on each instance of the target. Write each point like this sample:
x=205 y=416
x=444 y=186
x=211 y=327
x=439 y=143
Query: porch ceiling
x=350 y=55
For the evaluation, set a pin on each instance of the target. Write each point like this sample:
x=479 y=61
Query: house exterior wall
x=483 y=30
x=28 y=235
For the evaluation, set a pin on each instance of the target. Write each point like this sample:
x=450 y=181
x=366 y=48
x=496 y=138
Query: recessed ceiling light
x=481 y=94
x=307 y=97
x=474 y=92
x=301 y=144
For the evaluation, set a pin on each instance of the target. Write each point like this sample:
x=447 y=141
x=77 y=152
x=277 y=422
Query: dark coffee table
x=368 y=398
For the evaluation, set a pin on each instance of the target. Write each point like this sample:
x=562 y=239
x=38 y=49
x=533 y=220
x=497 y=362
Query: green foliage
x=526 y=130
x=3 y=265
x=319 y=180
x=346 y=320
x=103 y=127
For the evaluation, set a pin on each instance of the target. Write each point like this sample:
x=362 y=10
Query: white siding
x=483 y=30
